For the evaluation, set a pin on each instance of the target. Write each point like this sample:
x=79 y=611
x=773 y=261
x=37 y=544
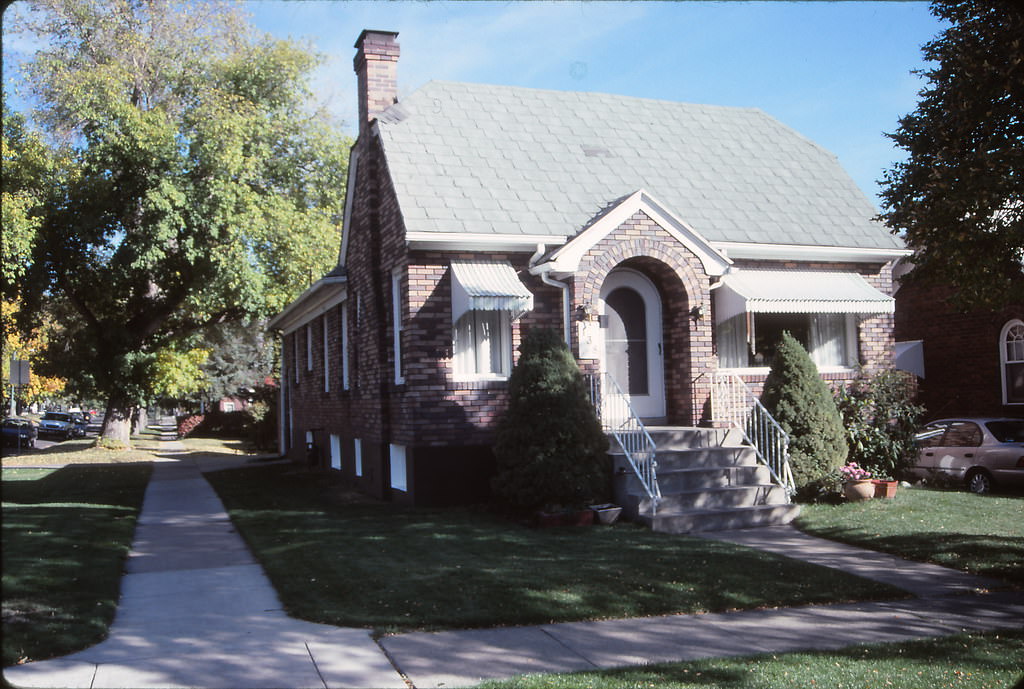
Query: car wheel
x=979 y=482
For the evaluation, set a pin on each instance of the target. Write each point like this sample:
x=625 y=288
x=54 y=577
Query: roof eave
x=796 y=252
x=323 y=294
x=480 y=241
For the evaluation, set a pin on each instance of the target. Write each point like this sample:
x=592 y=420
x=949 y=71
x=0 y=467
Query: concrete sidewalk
x=196 y=610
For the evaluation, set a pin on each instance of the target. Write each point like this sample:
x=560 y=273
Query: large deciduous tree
x=201 y=186
x=959 y=196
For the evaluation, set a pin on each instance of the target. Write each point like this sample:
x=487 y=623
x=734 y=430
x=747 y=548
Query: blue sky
x=837 y=72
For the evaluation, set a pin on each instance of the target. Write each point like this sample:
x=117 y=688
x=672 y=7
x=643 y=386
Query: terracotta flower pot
x=862 y=489
x=885 y=489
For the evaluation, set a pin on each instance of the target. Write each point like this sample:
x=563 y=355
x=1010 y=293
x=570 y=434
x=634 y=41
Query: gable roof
x=503 y=162
x=565 y=260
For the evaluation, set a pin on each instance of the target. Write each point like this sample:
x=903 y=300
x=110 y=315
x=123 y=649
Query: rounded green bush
x=550 y=449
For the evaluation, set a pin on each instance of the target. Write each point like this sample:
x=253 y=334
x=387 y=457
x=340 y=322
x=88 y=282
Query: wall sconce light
x=585 y=312
x=697 y=312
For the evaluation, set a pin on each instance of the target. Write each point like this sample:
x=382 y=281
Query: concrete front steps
x=709 y=480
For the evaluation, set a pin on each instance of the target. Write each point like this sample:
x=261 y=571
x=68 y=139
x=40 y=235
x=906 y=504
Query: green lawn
x=980 y=534
x=965 y=661
x=66 y=533
x=368 y=565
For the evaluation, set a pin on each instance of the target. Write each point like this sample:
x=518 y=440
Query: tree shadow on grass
x=377 y=565
x=998 y=556
x=116 y=485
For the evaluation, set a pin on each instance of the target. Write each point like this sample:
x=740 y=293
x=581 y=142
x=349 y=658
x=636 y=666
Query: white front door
x=631 y=323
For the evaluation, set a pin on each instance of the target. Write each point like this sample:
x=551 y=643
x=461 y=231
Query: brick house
x=970 y=362
x=666 y=241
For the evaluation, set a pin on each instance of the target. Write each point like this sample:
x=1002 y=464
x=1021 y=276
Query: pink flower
x=853 y=472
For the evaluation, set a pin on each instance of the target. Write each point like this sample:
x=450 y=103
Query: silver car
x=983 y=453
x=57 y=423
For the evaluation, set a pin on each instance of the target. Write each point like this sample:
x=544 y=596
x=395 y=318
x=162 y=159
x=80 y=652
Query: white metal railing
x=734 y=403
x=618 y=418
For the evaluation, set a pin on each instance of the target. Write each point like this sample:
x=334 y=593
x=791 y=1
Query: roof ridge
x=593 y=94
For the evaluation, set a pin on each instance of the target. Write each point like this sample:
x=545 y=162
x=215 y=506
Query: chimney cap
x=363 y=34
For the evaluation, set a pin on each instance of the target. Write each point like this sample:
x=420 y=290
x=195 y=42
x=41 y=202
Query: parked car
x=982 y=453
x=57 y=423
x=81 y=420
x=19 y=432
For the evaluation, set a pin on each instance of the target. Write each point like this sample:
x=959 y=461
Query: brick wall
x=961 y=351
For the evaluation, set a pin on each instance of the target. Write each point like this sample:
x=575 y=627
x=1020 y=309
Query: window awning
x=488 y=286
x=799 y=291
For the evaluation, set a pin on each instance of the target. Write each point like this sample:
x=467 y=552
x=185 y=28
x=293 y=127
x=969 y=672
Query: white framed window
x=1011 y=359
x=309 y=346
x=396 y=455
x=749 y=340
x=295 y=353
x=327 y=356
x=357 y=446
x=335 y=451
x=482 y=345
x=396 y=320
x=343 y=319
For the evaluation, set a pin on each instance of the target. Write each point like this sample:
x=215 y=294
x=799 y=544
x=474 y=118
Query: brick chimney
x=376 y=66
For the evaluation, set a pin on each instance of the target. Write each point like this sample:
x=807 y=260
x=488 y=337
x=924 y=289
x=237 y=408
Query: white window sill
x=478 y=378
x=765 y=370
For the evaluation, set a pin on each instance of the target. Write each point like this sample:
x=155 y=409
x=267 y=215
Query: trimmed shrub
x=881 y=421
x=550 y=449
x=802 y=403
x=188 y=424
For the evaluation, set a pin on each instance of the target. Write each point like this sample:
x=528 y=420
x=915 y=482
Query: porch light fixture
x=697 y=312
x=585 y=312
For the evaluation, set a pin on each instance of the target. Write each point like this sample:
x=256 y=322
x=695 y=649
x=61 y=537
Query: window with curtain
x=483 y=345
x=830 y=338
x=1011 y=351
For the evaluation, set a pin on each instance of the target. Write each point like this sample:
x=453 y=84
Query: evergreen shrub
x=550 y=450
x=803 y=405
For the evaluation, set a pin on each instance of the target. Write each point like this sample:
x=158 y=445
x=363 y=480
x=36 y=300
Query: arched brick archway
x=642 y=245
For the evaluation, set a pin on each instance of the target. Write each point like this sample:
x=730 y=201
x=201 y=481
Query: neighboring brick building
x=972 y=361
x=666 y=240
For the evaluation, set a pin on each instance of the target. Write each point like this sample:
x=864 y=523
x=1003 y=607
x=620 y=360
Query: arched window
x=1011 y=354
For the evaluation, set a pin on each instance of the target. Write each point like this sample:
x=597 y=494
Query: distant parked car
x=19 y=432
x=81 y=420
x=57 y=423
x=982 y=453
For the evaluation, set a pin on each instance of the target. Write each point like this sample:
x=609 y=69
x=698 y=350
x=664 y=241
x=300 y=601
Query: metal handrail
x=733 y=402
x=620 y=420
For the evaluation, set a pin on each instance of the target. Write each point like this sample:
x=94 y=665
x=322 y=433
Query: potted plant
x=885 y=486
x=881 y=421
x=606 y=513
x=857 y=483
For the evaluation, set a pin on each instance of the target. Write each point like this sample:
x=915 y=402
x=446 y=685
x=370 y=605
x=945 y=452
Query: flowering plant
x=853 y=472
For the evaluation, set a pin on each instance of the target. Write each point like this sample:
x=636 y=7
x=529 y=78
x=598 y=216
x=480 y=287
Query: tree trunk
x=117 y=424
x=140 y=420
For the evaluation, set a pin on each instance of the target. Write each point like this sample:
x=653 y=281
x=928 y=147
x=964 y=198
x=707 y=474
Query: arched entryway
x=630 y=309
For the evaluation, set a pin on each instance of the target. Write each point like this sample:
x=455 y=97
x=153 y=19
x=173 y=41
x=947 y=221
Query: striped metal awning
x=488 y=286
x=800 y=291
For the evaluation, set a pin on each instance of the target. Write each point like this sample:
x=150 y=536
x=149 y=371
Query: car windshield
x=1007 y=431
x=55 y=416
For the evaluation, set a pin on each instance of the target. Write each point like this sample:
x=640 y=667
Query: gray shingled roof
x=470 y=158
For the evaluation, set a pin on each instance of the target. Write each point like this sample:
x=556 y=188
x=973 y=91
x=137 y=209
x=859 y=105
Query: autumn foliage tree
x=959 y=196
x=197 y=185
